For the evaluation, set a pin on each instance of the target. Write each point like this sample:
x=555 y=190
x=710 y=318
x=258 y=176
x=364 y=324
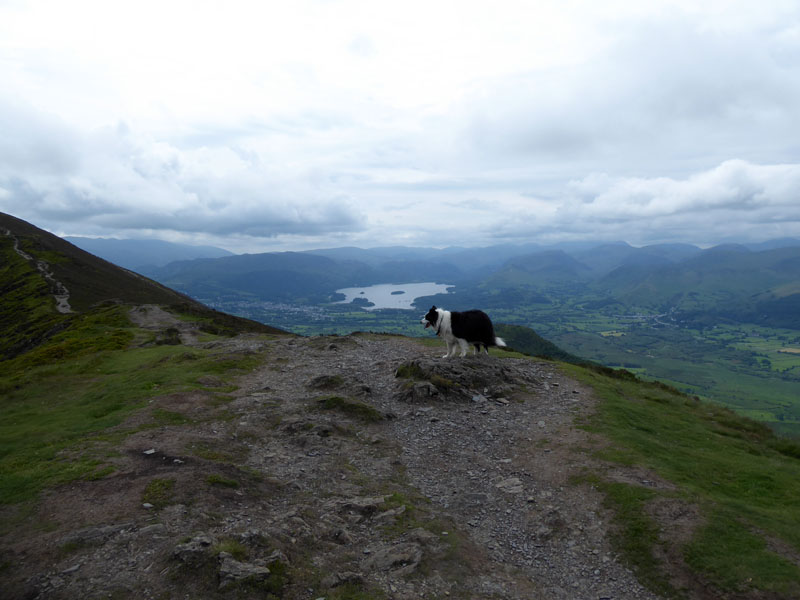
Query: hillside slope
x=364 y=467
x=47 y=284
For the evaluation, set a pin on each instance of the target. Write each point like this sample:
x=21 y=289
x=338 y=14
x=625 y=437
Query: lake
x=391 y=295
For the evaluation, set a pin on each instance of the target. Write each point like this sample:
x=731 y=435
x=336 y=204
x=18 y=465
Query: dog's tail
x=499 y=341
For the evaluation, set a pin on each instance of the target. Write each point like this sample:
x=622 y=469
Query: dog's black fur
x=462 y=328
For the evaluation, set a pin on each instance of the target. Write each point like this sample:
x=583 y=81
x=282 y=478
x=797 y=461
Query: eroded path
x=59 y=290
x=494 y=459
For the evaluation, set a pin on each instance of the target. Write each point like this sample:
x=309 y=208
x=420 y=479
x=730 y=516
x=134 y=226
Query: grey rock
x=94 y=535
x=232 y=571
x=511 y=485
x=402 y=558
x=194 y=552
x=336 y=579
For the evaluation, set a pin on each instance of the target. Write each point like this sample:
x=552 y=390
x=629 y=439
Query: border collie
x=459 y=329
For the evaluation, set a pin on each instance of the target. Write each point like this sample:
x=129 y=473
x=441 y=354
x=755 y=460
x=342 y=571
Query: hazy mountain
x=605 y=258
x=539 y=269
x=143 y=256
x=773 y=244
x=274 y=276
x=727 y=280
x=469 y=263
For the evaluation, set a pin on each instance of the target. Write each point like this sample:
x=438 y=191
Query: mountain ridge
x=144 y=254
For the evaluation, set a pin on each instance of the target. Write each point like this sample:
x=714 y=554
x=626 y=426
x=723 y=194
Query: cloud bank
x=260 y=127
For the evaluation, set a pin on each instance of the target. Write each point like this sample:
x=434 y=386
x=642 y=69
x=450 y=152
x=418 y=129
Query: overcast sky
x=286 y=125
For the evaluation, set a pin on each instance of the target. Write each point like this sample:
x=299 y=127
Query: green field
x=741 y=366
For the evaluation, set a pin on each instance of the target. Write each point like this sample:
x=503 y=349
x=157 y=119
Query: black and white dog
x=459 y=329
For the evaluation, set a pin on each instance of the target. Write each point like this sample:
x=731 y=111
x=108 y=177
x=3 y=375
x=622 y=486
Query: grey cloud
x=33 y=141
x=664 y=90
x=734 y=198
x=112 y=179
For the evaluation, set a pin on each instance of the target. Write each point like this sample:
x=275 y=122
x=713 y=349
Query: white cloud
x=112 y=179
x=734 y=199
x=286 y=125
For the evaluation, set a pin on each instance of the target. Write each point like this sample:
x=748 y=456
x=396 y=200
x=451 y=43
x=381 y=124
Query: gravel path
x=496 y=460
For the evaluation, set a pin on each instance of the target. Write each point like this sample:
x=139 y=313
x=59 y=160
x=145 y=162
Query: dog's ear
x=433 y=307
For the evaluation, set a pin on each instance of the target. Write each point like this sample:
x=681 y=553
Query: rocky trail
x=361 y=466
x=58 y=289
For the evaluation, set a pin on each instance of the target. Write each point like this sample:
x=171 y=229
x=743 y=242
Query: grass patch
x=743 y=479
x=757 y=568
x=159 y=492
x=208 y=453
x=220 y=481
x=458 y=555
x=233 y=547
x=414 y=372
x=354 y=591
x=82 y=381
x=351 y=408
x=636 y=533
x=405 y=521
x=411 y=371
x=164 y=417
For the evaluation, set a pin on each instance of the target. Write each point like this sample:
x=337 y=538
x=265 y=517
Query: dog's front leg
x=450 y=349
x=464 y=347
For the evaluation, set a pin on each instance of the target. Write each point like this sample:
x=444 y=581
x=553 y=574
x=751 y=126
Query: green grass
x=636 y=533
x=24 y=293
x=233 y=547
x=83 y=381
x=745 y=481
x=219 y=480
x=159 y=492
x=352 y=408
x=755 y=567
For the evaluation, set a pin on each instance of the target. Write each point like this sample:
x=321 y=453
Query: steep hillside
x=526 y=340
x=48 y=284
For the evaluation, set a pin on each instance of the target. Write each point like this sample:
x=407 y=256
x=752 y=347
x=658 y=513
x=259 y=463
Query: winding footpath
x=60 y=291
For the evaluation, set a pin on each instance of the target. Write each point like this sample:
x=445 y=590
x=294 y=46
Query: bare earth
x=467 y=489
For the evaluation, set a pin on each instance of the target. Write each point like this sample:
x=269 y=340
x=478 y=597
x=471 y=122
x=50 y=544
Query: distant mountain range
x=756 y=284
x=144 y=255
